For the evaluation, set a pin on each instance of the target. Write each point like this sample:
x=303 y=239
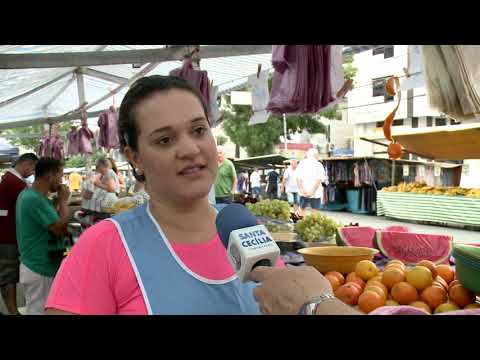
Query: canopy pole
x=285 y=132
x=81 y=103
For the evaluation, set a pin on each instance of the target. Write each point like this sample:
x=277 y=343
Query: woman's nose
x=187 y=147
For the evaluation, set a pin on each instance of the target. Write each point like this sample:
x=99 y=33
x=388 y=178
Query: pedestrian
x=242 y=182
x=40 y=227
x=226 y=181
x=272 y=184
x=165 y=256
x=289 y=184
x=310 y=175
x=12 y=184
x=255 y=188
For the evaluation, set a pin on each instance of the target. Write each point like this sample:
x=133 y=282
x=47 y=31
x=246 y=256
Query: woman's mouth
x=193 y=170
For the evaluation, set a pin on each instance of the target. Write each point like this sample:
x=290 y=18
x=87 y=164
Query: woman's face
x=176 y=148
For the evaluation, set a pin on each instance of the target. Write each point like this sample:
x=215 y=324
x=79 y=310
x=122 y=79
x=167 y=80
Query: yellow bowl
x=336 y=258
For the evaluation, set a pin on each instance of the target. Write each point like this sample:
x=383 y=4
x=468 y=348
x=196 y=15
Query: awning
x=458 y=142
x=262 y=162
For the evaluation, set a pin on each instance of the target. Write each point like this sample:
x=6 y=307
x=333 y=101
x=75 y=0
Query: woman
x=120 y=177
x=164 y=257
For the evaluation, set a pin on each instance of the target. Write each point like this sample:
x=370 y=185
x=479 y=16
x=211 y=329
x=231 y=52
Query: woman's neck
x=196 y=218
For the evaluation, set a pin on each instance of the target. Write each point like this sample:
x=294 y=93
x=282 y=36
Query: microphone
x=248 y=244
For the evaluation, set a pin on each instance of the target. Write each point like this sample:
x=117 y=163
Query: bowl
x=467 y=266
x=336 y=258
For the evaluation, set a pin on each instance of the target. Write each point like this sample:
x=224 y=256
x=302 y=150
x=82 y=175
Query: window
x=440 y=121
x=414 y=122
x=387 y=51
x=429 y=121
x=378 y=88
x=398 y=122
x=453 y=122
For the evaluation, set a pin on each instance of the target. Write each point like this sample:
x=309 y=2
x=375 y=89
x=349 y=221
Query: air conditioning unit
x=330 y=147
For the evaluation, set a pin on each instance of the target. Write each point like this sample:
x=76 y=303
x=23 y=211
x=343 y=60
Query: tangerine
x=472 y=306
x=461 y=296
x=348 y=293
x=338 y=275
x=333 y=281
x=434 y=296
x=431 y=265
x=366 y=269
x=392 y=276
x=453 y=283
x=446 y=272
x=353 y=277
x=404 y=293
x=379 y=284
x=442 y=282
x=378 y=290
x=369 y=301
x=420 y=277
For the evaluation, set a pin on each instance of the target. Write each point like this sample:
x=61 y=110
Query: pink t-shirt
x=97 y=277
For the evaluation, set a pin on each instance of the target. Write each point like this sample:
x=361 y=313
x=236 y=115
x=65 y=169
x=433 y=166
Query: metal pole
x=394 y=165
x=285 y=132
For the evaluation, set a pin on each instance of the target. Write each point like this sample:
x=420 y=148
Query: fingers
x=260 y=273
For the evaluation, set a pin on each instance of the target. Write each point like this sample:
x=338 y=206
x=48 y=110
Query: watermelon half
x=412 y=247
x=363 y=236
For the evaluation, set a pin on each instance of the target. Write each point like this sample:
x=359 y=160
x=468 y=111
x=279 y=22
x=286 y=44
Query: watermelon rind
x=411 y=258
x=342 y=236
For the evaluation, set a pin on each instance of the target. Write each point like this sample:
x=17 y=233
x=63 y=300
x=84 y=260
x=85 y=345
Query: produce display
x=410 y=247
x=127 y=203
x=423 y=188
x=363 y=236
x=426 y=286
x=316 y=226
x=274 y=214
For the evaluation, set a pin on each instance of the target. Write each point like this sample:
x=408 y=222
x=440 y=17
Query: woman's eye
x=201 y=130
x=163 y=141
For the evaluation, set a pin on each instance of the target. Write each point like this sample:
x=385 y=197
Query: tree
x=221 y=140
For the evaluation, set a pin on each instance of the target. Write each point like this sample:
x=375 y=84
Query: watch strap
x=310 y=307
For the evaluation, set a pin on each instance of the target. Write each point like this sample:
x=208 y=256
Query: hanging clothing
x=260 y=97
x=108 y=136
x=301 y=81
x=57 y=148
x=72 y=142
x=85 y=135
x=197 y=78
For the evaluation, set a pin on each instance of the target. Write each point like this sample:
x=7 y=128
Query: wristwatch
x=310 y=307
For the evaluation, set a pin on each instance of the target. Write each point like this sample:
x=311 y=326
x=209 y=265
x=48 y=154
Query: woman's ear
x=132 y=157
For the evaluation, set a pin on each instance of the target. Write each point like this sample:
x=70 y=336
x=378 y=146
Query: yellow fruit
x=472 y=306
x=421 y=305
x=446 y=307
x=430 y=265
x=391 y=303
x=420 y=277
x=392 y=276
x=366 y=270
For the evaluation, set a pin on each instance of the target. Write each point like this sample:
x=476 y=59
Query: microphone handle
x=263 y=262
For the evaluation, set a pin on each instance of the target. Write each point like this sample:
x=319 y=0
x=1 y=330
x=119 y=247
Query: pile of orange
x=432 y=288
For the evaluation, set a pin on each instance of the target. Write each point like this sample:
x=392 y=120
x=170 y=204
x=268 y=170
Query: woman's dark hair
x=46 y=166
x=114 y=166
x=128 y=129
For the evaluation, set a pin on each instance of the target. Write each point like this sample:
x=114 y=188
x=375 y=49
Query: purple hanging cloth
x=197 y=78
x=57 y=147
x=301 y=82
x=84 y=137
x=72 y=140
x=108 y=136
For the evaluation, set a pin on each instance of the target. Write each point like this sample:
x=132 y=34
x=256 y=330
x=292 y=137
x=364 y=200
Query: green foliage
x=221 y=140
x=79 y=160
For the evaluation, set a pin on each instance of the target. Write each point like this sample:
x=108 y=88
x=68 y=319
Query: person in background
x=310 y=175
x=12 y=184
x=242 y=182
x=272 y=184
x=39 y=230
x=74 y=181
x=255 y=186
x=121 y=178
x=289 y=184
x=226 y=181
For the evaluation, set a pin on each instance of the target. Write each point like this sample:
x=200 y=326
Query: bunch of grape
x=275 y=209
x=316 y=226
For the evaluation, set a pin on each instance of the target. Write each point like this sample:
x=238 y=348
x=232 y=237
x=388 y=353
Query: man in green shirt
x=226 y=181
x=39 y=230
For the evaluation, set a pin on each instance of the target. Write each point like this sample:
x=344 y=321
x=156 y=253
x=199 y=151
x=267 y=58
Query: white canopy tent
x=49 y=83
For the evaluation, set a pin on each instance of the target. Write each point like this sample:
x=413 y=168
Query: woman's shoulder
x=103 y=235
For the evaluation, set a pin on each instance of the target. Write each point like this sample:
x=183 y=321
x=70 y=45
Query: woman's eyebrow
x=165 y=128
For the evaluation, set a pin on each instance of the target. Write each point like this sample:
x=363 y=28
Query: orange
x=446 y=272
x=395 y=263
x=357 y=285
x=375 y=278
x=378 y=290
x=379 y=284
x=442 y=282
x=404 y=293
x=421 y=305
x=396 y=266
x=392 y=276
x=420 y=277
x=369 y=301
x=338 y=275
x=348 y=293
x=333 y=281
x=450 y=306
x=461 y=296
x=434 y=296
x=431 y=265
x=366 y=269
x=453 y=283
x=352 y=277
x=391 y=303
x=472 y=306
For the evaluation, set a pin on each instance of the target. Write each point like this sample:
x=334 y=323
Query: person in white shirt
x=255 y=183
x=310 y=175
x=290 y=185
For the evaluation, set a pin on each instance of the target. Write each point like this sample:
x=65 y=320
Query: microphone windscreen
x=233 y=217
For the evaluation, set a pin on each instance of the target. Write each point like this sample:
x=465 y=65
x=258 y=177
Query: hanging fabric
x=301 y=81
x=197 y=78
x=72 y=142
x=85 y=135
x=414 y=71
x=260 y=97
x=108 y=136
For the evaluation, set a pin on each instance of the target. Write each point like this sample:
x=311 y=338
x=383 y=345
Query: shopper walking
x=272 y=185
x=11 y=185
x=226 y=181
x=39 y=232
x=310 y=175
x=255 y=186
x=290 y=185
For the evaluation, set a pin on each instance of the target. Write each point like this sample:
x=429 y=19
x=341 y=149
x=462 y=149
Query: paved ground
x=459 y=235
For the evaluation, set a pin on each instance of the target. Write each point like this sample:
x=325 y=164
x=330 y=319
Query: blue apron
x=167 y=285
